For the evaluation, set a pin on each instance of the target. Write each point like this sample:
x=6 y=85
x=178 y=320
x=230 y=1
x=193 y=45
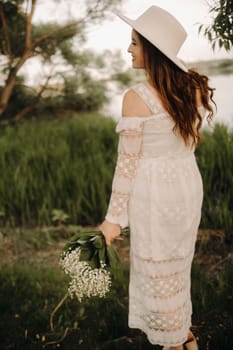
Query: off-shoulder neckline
x=153 y=115
x=160 y=113
x=141 y=118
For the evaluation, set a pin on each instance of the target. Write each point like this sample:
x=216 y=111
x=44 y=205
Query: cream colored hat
x=162 y=30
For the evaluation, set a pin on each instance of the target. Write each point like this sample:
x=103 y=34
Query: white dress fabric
x=157 y=192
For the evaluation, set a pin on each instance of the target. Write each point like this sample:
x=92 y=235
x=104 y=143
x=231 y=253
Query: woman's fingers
x=108 y=242
x=108 y=239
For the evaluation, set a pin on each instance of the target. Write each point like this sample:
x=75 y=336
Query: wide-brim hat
x=162 y=30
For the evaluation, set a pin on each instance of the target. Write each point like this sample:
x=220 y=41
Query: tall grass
x=64 y=164
x=213 y=306
x=215 y=159
x=68 y=165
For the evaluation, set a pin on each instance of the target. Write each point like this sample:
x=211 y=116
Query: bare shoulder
x=134 y=106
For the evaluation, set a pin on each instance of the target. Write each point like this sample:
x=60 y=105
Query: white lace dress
x=157 y=191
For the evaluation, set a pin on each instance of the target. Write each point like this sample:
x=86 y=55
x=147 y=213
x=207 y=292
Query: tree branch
x=30 y=107
x=32 y=44
x=52 y=33
x=10 y=81
x=28 y=43
x=5 y=32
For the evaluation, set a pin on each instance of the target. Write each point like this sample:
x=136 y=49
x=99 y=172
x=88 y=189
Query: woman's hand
x=110 y=231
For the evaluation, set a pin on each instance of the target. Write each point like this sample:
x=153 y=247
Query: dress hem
x=158 y=341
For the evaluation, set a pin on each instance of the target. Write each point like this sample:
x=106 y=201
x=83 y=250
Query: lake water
x=223 y=97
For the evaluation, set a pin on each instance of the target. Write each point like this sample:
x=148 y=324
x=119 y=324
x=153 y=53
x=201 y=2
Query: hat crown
x=160 y=26
x=163 y=30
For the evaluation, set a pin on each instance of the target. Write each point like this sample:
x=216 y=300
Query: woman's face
x=135 y=48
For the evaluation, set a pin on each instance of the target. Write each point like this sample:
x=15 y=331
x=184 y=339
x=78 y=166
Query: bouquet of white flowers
x=89 y=262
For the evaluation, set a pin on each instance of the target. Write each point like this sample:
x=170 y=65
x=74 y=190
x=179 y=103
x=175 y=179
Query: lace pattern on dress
x=164 y=312
x=129 y=150
x=168 y=171
x=151 y=261
x=127 y=166
x=170 y=321
x=162 y=287
x=149 y=98
x=118 y=203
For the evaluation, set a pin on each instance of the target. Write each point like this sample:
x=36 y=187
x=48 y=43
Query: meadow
x=68 y=165
x=56 y=164
x=56 y=179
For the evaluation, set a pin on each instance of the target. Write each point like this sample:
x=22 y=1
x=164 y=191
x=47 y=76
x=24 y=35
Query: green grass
x=68 y=165
x=56 y=164
x=32 y=284
x=215 y=160
x=29 y=294
x=213 y=306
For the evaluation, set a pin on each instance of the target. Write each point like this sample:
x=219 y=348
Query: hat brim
x=171 y=57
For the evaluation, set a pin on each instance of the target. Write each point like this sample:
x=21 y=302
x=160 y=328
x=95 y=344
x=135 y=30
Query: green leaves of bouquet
x=90 y=264
x=93 y=249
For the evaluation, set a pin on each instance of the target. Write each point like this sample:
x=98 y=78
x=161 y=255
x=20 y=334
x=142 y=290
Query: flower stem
x=56 y=309
x=53 y=342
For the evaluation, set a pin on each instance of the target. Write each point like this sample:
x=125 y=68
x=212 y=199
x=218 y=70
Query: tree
x=88 y=84
x=220 y=31
x=21 y=40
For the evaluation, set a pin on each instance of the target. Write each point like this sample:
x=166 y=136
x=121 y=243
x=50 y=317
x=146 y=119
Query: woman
x=157 y=187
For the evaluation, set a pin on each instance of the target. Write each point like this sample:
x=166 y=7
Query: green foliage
x=82 y=93
x=12 y=42
x=93 y=249
x=55 y=43
x=77 y=93
x=29 y=294
x=22 y=39
x=213 y=306
x=21 y=97
x=31 y=287
x=220 y=32
x=215 y=159
x=14 y=13
x=68 y=165
x=59 y=216
x=65 y=165
x=213 y=67
x=16 y=23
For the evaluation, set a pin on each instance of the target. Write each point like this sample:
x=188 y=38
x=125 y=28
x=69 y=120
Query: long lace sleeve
x=129 y=149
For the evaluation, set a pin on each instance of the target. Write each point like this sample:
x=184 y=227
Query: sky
x=115 y=34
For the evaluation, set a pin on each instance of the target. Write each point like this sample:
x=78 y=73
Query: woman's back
x=157 y=128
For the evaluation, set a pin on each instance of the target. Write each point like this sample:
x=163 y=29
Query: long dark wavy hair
x=178 y=91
